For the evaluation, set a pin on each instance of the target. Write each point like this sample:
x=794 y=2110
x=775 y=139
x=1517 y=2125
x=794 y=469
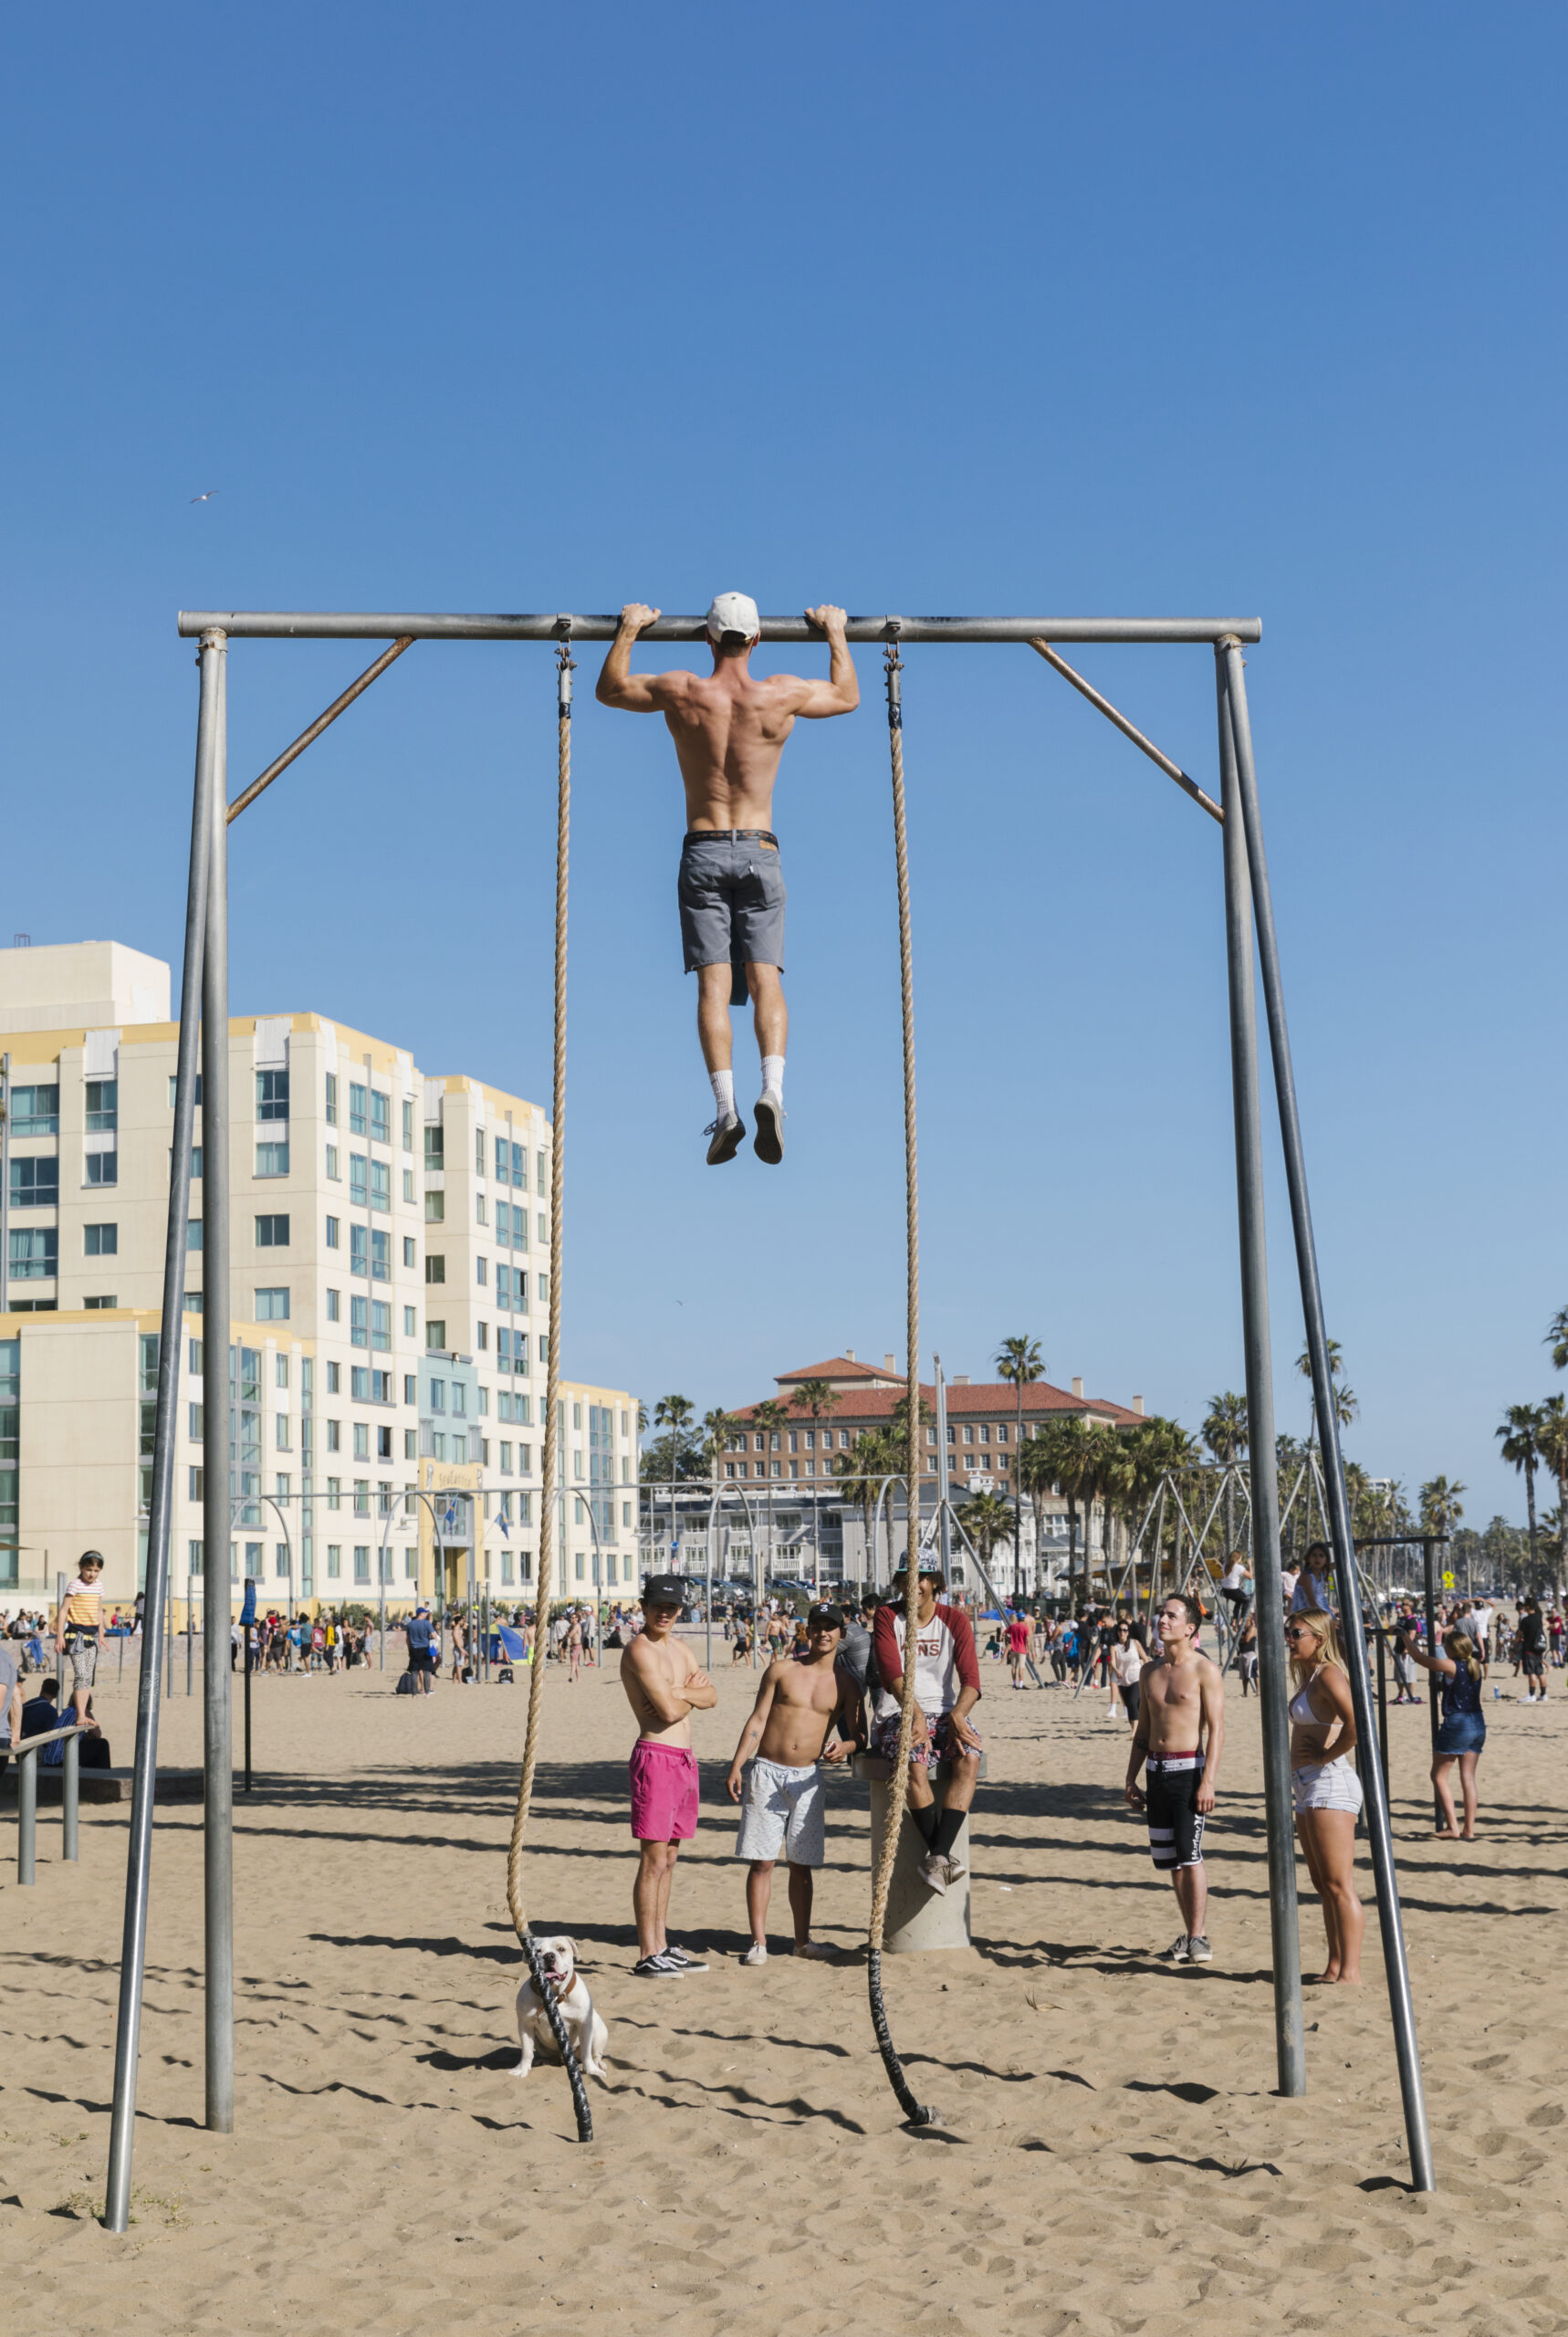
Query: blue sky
x=1026 y=308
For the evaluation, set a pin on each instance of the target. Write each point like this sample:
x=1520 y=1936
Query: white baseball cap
x=733 y=612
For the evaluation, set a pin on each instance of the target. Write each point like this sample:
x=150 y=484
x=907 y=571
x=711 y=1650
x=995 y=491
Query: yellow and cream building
x=390 y=1304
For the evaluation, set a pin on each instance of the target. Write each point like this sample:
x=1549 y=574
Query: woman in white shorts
x=1325 y=1786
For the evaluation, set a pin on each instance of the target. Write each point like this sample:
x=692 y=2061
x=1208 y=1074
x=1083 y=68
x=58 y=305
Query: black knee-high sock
x=925 y=1819
x=947 y=1830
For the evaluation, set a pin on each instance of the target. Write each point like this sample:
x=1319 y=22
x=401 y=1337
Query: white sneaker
x=756 y=1952
x=933 y=1873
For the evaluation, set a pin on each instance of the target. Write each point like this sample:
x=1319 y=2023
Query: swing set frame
x=203 y=1023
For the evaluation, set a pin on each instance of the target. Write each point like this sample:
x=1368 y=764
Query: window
x=334 y=1428
x=360 y=1249
x=103 y=1106
x=272 y=1095
x=334 y=1561
x=333 y=1170
x=411 y=1444
x=359 y=1322
x=460 y=1400
x=281 y=1439
x=272 y=1234
x=484 y=1330
x=482 y=1271
x=381 y=1185
x=544 y=1290
x=501 y=1158
x=986 y=1432
x=410 y=1325
x=280 y=1560
x=252 y=1562
x=381 y=1256
x=358 y=1182
x=197 y=1419
x=35 y=1184
x=271 y=1306
x=381 y=1117
x=103 y=1168
x=34 y=1253
x=356 y=1109
x=197 y=1479
x=331 y=1099
x=435 y=1147
x=408 y=1130
x=436 y=1336
x=410 y=1250
x=479 y=1152
x=100 y=1241
x=505 y=1569
x=361 y=1497
x=434 y=1270
x=410 y=1389
x=195 y=1162
x=383 y=1448
x=380 y=1323
x=98 y=1304
x=332 y=1232
x=438 y=1395
x=280 y=1370
x=334 y=1493
x=34 y=1111
x=435 y=1208
x=193 y=1233
x=174 y=1088
x=408 y=1184
x=272 y=1160
x=334 y=1309
x=361 y=1433
x=362 y=1551
x=479 y=1208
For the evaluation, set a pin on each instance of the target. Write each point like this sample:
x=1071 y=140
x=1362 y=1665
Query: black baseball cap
x=664 y=1590
x=824 y=1617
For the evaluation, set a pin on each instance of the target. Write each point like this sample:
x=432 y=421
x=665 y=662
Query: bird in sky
x=204 y=498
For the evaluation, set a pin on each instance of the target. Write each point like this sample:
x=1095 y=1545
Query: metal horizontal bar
x=293 y=624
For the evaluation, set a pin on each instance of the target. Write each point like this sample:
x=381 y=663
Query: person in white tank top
x=1325 y=1786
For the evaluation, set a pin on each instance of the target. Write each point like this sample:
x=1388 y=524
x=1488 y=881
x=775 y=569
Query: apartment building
x=390 y=1300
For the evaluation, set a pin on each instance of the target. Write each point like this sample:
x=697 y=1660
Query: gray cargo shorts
x=731 y=893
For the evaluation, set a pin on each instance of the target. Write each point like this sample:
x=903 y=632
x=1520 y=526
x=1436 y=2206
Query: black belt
x=729 y=835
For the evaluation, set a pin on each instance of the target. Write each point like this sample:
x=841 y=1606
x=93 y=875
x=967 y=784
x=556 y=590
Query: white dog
x=589 y=2036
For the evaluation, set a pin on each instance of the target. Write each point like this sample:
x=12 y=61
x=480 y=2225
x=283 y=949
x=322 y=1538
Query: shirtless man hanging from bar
x=729 y=728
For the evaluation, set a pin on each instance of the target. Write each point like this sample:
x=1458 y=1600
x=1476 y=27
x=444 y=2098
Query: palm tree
x=1069 y=1456
x=816 y=1396
x=861 y=1473
x=1520 y=1436
x=1019 y=1361
x=1551 y=1436
x=986 y=1519
x=1557 y=1338
x=1225 y=1434
x=1109 y=1478
x=772 y=1417
x=1441 y=1508
x=1345 y=1405
x=1037 y=1477
x=674 y=1413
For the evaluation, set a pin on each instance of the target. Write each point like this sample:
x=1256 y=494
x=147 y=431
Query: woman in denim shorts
x=1463 y=1733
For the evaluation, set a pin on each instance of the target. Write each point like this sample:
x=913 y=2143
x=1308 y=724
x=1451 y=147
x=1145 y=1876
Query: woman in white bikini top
x=1323 y=1786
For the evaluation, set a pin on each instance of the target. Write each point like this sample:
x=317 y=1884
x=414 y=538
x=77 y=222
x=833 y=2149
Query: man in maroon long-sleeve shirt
x=946 y=1689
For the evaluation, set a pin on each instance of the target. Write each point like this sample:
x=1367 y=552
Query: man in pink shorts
x=664 y=1687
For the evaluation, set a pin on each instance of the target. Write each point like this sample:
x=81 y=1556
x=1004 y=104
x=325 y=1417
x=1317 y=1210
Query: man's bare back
x=730 y=726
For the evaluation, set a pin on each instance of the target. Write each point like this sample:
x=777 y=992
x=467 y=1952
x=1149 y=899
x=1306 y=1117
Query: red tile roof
x=839 y=1367
x=987 y=1399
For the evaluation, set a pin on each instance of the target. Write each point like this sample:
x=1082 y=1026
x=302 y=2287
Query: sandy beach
x=1113 y=2157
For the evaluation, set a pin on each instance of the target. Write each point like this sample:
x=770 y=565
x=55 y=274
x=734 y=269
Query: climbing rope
x=565 y=665
x=914 y=2111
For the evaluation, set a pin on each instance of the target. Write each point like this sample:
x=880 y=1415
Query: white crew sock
x=724 y=1092
x=773 y=1076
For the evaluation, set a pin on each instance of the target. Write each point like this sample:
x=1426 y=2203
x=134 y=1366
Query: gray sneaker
x=933 y=1873
x=1198 y=1950
x=1176 y=1953
x=768 y=1142
x=727 y=1132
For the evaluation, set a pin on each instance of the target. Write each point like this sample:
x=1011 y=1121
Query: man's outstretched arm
x=617 y=684
x=841 y=693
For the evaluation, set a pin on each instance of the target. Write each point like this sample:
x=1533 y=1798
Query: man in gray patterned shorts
x=729 y=728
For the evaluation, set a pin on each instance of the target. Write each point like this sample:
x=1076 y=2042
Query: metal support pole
x=5 y=1189
x=944 y=1512
x=1430 y=1589
x=139 y=1859
x=1382 y=1700
x=27 y=1818
x=218 y=1754
x=1379 y=1833
x=70 y=1796
x=1289 y=2043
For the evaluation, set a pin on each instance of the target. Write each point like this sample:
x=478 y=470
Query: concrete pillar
x=918 y=1918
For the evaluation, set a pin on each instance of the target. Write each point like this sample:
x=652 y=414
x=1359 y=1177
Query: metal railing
x=26 y=1755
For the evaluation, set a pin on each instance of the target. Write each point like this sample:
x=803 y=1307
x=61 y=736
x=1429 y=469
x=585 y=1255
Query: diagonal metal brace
x=308 y=738
x=1129 y=730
